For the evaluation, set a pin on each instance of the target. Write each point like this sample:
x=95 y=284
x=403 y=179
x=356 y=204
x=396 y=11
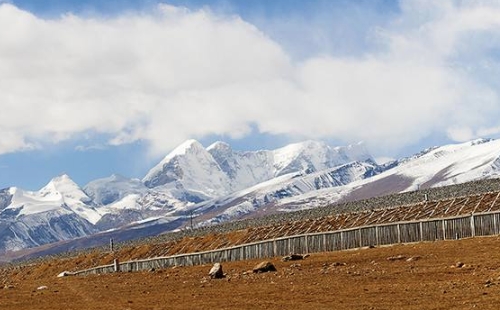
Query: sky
x=91 y=88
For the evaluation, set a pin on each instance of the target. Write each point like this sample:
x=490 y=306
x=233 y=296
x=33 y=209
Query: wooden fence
x=465 y=226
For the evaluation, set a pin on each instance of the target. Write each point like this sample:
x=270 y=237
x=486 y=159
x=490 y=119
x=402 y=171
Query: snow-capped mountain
x=433 y=167
x=243 y=169
x=191 y=170
x=116 y=187
x=219 y=170
x=217 y=183
x=262 y=198
x=59 y=211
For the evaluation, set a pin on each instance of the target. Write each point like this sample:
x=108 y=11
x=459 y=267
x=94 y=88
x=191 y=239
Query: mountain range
x=194 y=185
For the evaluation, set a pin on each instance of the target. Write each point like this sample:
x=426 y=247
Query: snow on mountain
x=191 y=170
x=114 y=188
x=60 y=194
x=243 y=169
x=41 y=228
x=264 y=196
x=134 y=208
x=220 y=184
x=434 y=167
x=452 y=164
x=219 y=170
x=312 y=156
x=58 y=211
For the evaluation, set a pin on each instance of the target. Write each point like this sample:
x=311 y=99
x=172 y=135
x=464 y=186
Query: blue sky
x=91 y=88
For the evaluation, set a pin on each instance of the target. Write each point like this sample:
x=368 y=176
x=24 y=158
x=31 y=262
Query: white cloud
x=175 y=74
x=460 y=134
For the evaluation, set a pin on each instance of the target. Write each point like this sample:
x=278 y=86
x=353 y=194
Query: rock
x=8 y=287
x=413 y=258
x=294 y=257
x=393 y=258
x=459 y=265
x=265 y=266
x=43 y=287
x=336 y=264
x=64 y=274
x=216 y=272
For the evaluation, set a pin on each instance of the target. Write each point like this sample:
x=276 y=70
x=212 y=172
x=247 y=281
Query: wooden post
x=275 y=248
x=324 y=242
x=342 y=240
x=306 y=244
x=444 y=230
x=399 y=233
x=376 y=236
x=116 y=265
x=472 y=226
x=111 y=245
x=495 y=228
x=421 y=232
x=360 y=238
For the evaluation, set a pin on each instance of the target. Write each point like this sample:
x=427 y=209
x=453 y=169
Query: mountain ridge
x=217 y=184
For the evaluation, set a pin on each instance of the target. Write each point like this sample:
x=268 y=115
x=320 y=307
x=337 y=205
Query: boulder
x=264 y=267
x=64 y=274
x=216 y=272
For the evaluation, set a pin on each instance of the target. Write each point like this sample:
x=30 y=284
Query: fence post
x=399 y=233
x=342 y=240
x=495 y=228
x=275 y=248
x=472 y=225
x=306 y=244
x=376 y=236
x=360 y=238
x=116 y=265
x=444 y=230
x=421 y=232
x=324 y=242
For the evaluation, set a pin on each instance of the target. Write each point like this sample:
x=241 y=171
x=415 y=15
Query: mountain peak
x=63 y=186
x=62 y=180
x=183 y=148
x=219 y=146
x=192 y=167
x=358 y=151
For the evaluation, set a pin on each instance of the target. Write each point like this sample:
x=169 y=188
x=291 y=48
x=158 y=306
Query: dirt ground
x=413 y=276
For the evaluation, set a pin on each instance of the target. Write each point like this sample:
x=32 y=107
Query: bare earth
x=417 y=276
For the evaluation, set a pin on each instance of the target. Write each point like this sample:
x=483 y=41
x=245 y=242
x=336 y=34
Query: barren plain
x=459 y=274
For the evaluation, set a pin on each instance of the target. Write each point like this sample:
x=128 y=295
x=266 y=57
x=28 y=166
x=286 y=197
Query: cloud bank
x=173 y=73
